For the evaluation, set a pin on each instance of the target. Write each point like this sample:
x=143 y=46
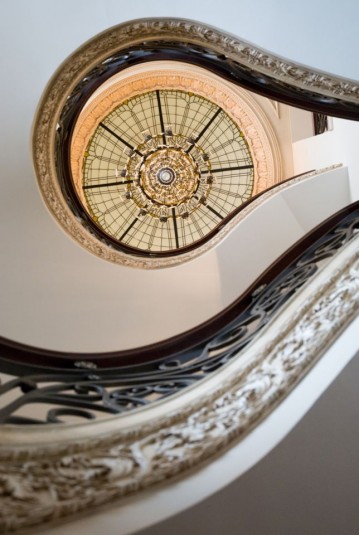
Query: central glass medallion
x=166 y=175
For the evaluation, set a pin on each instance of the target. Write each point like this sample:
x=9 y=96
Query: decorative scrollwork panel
x=93 y=393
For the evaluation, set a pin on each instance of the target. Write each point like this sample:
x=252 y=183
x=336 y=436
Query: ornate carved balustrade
x=228 y=382
x=90 y=386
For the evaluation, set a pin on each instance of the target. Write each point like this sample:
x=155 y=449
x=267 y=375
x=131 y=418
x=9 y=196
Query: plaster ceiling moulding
x=236 y=102
x=144 y=42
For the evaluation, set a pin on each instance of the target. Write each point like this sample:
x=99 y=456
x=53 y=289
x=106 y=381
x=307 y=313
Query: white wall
x=58 y=296
x=339 y=145
x=269 y=231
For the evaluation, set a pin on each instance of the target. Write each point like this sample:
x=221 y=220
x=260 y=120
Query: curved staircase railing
x=88 y=385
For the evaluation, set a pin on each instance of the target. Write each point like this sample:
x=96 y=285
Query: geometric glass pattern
x=163 y=169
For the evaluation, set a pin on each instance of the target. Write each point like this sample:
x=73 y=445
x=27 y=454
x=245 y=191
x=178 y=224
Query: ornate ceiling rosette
x=165 y=153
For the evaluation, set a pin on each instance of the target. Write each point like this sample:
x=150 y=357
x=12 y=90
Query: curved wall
x=66 y=299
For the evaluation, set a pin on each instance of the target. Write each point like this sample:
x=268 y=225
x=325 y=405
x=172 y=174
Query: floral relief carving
x=43 y=484
x=177 y=29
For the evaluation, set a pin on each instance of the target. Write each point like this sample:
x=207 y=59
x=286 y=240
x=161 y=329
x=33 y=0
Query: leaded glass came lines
x=173 y=134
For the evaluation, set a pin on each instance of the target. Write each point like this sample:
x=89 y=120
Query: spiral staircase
x=153 y=364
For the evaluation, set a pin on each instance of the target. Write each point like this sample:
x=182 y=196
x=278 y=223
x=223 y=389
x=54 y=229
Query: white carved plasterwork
x=130 y=33
x=44 y=482
x=126 y=35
